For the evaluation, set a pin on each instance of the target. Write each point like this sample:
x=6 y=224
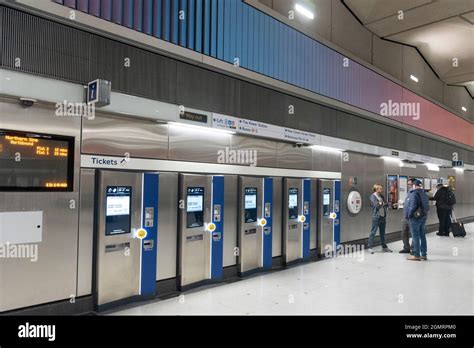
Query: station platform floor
x=365 y=284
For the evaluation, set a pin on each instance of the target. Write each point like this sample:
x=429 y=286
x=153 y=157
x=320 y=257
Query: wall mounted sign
x=392 y=191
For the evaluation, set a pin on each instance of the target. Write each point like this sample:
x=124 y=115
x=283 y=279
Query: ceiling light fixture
x=304 y=11
x=414 y=78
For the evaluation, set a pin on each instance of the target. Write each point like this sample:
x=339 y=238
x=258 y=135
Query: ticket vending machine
x=201 y=229
x=255 y=224
x=297 y=218
x=127 y=231
x=329 y=220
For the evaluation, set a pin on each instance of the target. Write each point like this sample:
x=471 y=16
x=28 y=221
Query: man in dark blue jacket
x=416 y=213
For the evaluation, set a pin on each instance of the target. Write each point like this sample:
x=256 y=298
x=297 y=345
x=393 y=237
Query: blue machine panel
x=150 y=242
x=307 y=215
x=268 y=215
x=217 y=250
x=337 y=210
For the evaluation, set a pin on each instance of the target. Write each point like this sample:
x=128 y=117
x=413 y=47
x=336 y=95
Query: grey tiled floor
x=368 y=284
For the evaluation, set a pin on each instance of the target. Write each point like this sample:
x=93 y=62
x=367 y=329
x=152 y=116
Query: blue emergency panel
x=337 y=210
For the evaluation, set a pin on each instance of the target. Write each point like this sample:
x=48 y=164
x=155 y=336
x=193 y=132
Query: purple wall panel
x=83 y=5
x=106 y=9
x=94 y=7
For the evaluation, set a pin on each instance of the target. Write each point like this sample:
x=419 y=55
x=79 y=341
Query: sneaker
x=413 y=258
x=404 y=251
x=424 y=258
x=387 y=250
x=370 y=250
x=439 y=234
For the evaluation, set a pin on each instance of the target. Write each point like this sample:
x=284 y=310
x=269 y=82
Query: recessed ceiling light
x=304 y=11
x=414 y=78
x=463 y=109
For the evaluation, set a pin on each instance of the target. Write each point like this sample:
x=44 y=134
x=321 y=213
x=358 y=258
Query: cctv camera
x=27 y=102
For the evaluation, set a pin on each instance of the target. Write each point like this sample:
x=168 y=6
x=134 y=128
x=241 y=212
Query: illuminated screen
x=117 y=212
x=194 y=207
x=250 y=204
x=35 y=162
x=292 y=203
x=326 y=201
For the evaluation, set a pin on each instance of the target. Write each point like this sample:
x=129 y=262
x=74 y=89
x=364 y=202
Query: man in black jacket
x=444 y=208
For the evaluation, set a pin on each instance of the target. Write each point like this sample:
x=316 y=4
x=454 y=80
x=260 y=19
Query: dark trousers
x=378 y=223
x=406 y=235
x=444 y=217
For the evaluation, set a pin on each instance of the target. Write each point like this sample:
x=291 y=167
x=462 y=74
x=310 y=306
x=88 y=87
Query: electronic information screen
x=35 y=162
x=292 y=203
x=117 y=210
x=250 y=204
x=326 y=201
x=195 y=207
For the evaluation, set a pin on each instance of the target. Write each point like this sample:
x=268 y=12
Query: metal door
x=118 y=252
x=293 y=225
x=250 y=227
x=326 y=216
x=195 y=239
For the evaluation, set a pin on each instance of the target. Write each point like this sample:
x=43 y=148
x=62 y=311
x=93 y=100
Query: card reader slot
x=117 y=247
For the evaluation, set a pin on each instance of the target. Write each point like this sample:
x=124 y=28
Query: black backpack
x=450 y=198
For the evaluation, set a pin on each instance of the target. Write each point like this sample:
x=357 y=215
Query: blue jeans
x=378 y=222
x=418 y=235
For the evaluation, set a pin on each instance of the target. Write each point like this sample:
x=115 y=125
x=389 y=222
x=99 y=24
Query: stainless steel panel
x=326 y=160
x=192 y=144
x=289 y=156
x=314 y=214
x=118 y=135
x=250 y=234
x=167 y=226
x=54 y=274
x=266 y=149
x=277 y=233
x=325 y=223
x=118 y=270
x=86 y=232
x=292 y=228
x=230 y=219
x=194 y=251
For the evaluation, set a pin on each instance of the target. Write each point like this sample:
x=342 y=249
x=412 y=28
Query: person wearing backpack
x=417 y=213
x=445 y=199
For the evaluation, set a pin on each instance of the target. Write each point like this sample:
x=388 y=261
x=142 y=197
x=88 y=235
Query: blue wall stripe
x=174 y=35
x=207 y=28
x=70 y=3
x=127 y=13
x=166 y=19
x=182 y=20
x=148 y=17
x=199 y=10
x=117 y=12
x=238 y=31
x=214 y=28
x=94 y=7
x=227 y=29
x=220 y=29
x=191 y=16
x=244 y=37
x=106 y=9
x=83 y=5
x=233 y=31
x=157 y=16
x=250 y=39
x=137 y=15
